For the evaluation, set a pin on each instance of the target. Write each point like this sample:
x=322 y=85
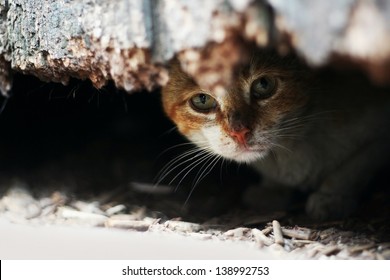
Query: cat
x=322 y=134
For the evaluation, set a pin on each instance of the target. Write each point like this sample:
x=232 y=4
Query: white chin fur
x=244 y=156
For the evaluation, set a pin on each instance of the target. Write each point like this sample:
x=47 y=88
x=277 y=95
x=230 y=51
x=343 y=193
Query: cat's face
x=246 y=121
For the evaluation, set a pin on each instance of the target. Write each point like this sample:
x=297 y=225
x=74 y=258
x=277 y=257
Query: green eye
x=203 y=102
x=263 y=87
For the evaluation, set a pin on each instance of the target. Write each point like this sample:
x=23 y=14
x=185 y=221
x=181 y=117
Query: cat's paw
x=323 y=206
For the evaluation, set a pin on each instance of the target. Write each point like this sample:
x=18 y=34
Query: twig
x=299 y=233
x=278 y=235
x=115 y=209
x=267 y=230
x=359 y=248
x=260 y=237
x=332 y=250
x=182 y=226
x=128 y=224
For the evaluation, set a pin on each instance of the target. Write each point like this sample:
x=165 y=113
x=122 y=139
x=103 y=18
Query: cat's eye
x=203 y=102
x=263 y=87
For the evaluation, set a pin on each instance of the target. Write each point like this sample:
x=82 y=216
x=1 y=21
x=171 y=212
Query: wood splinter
x=299 y=233
x=278 y=235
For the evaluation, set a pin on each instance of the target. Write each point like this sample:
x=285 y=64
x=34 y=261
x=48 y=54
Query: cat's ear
x=173 y=64
x=178 y=75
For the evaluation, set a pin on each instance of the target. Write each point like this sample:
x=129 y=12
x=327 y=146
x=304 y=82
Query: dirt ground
x=78 y=178
x=59 y=226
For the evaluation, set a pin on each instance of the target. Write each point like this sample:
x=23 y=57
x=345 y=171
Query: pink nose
x=240 y=135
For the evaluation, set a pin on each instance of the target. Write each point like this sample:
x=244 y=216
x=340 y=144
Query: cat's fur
x=326 y=135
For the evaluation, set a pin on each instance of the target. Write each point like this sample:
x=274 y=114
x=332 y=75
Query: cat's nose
x=240 y=135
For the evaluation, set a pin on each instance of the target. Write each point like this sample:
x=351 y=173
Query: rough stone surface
x=105 y=40
x=130 y=42
x=359 y=31
x=69 y=225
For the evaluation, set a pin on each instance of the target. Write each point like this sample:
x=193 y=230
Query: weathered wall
x=356 y=30
x=128 y=41
x=106 y=40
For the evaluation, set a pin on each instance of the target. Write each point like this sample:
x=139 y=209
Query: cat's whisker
x=183 y=158
x=178 y=158
x=289 y=137
x=205 y=145
x=194 y=144
x=280 y=147
x=210 y=166
x=168 y=132
x=190 y=167
x=274 y=154
x=210 y=158
x=205 y=162
x=283 y=134
x=176 y=161
x=205 y=171
x=293 y=125
x=174 y=147
x=316 y=116
x=221 y=168
x=292 y=122
x=205 y=157
x=293 y=129
x=286 y=135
